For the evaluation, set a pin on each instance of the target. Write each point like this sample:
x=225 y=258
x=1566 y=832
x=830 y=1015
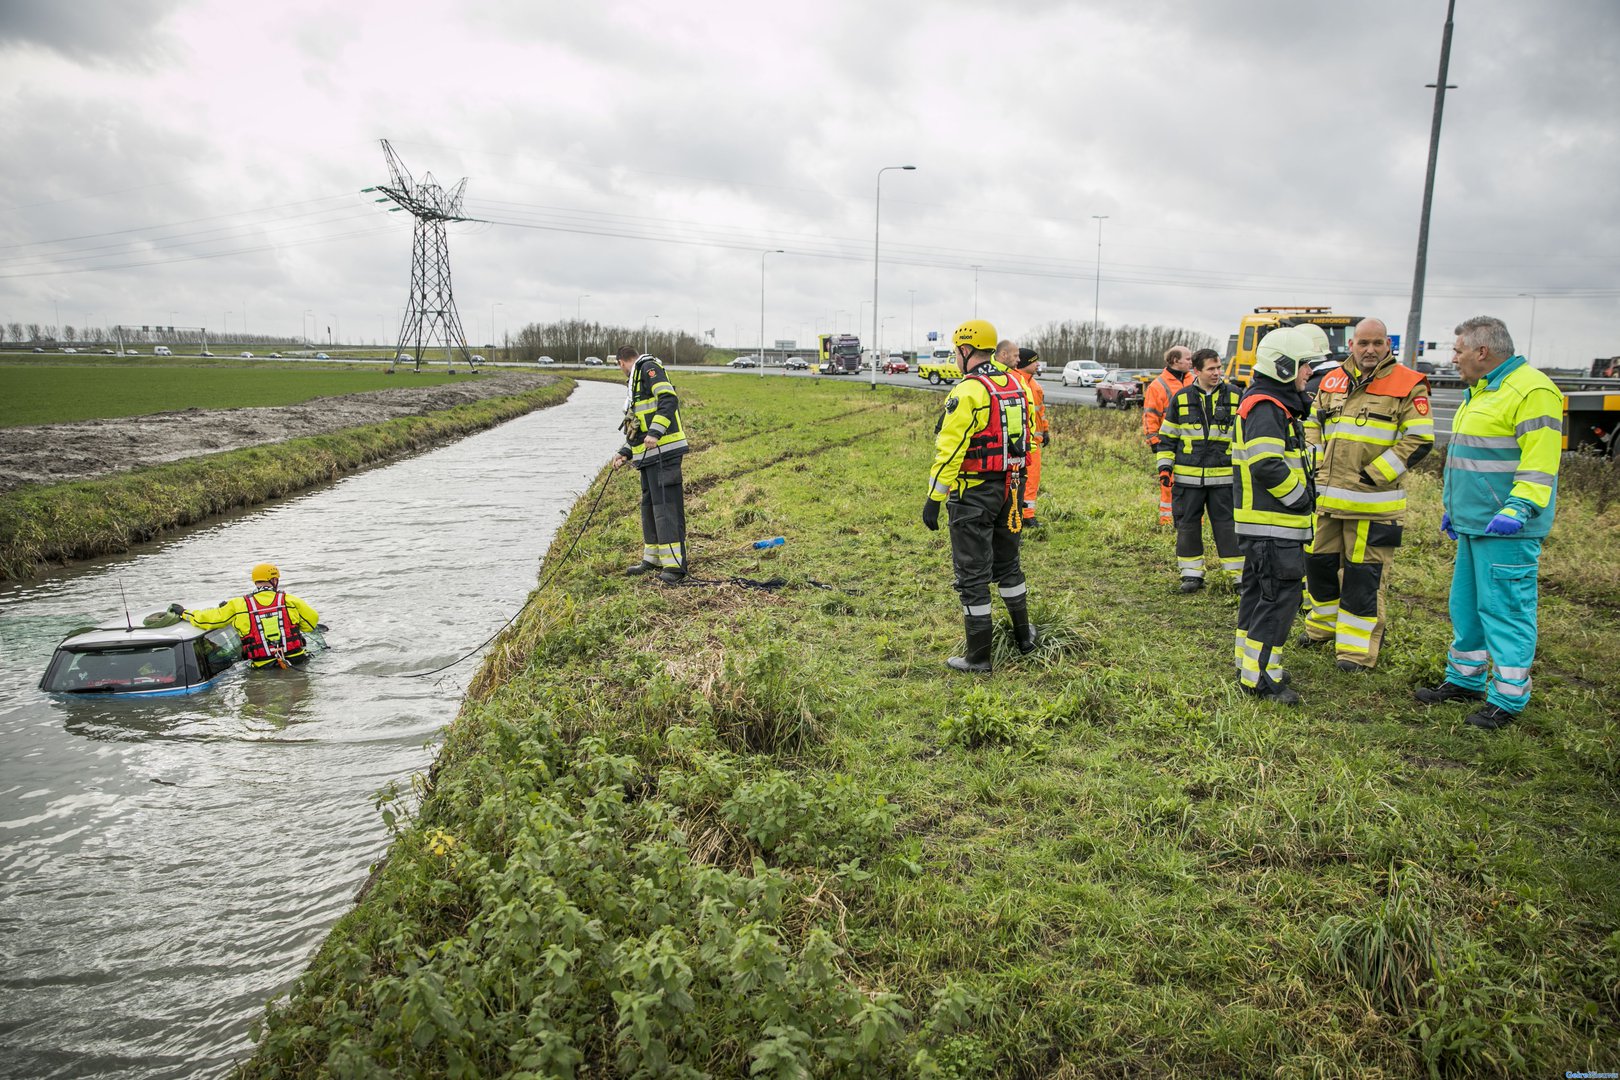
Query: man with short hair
x=1372 y=418
x=1501 y=487
x=655 y=443
x=1155 y=402
x=1195 y=449
x=979 y=447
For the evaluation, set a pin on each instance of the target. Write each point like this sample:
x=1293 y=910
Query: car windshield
x=139 y=667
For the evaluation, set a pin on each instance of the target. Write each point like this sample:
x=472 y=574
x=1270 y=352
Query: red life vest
x=273 y=633
x=995 y=449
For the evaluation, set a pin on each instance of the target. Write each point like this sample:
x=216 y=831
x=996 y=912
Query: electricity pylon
x=433 y=304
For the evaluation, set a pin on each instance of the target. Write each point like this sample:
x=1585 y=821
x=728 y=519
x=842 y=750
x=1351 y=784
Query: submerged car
x=118 y=659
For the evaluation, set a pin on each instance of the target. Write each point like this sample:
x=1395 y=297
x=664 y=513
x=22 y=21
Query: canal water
x=168 y=867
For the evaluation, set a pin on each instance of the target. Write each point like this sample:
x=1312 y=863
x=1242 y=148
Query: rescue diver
x=272 y=623
x=979 y=448
x=1274 y=500
x=655 y=442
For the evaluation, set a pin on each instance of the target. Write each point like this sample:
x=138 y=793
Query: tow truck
x=1240 y=347
x=840 y=354
x=939 y=368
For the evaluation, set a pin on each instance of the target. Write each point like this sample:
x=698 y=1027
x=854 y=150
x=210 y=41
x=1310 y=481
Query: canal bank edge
x=764 y=832
x=59 y=523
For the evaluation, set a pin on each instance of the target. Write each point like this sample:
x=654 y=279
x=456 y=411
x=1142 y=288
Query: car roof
x=118 y=634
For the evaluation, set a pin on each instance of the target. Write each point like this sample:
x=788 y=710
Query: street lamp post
x=1414 y=317
x=644 y=323
x=877 y=217
x=1530 y=349
x=1096 y=291
x=768 y=251
x=911 y=335
x=579 y=345
x=976 y=268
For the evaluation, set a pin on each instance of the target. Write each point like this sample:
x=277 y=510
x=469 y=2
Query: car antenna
x=127 y=623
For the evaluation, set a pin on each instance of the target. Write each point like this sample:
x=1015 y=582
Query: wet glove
x=1505 y=523
x=176 y=609
x=1445 y=525
x=931 y=515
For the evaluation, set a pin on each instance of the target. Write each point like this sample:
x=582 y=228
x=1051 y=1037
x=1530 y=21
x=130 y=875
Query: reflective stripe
x=1472 y=654
x=1486 y=442
x=976 y=609
x=1528 y=477
x=1294 y=496
x=1418 y=427
x=1512 y=690
x=1378 y=498
x=1468 y=664
x=938 y=488
x=1524 y=427
x=1391 y=461
x=1462 y=464
x=1012 y=591
x=1233 y=565
x=1518 y=673
x=1275 y=532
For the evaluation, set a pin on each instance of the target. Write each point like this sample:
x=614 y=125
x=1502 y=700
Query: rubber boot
x=1025 y=636
x=977 y=660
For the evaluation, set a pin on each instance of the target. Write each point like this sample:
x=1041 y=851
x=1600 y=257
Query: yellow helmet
x=977 y=333
x=266 y=572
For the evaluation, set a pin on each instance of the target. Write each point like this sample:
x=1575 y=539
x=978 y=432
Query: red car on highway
x=1122 y=389
x=895 y=366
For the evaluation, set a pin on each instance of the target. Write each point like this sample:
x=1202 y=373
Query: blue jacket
x=1504 y=451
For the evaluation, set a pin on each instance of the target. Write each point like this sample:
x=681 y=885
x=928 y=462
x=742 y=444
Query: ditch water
x=169 y=866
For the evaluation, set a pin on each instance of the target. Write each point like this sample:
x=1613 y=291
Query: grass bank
x=713 y=830
x=55 y=394
x=59 y=522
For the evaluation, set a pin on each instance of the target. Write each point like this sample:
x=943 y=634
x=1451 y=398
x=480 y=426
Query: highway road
x=1445 y=401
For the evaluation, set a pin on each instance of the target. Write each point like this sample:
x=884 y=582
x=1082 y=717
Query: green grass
x=714 y=830
x=41 y=524
x=57 y=393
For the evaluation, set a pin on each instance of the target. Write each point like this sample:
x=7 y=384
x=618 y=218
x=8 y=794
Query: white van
x=161 y=350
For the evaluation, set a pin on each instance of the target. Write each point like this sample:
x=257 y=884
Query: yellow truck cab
x=1263 y=320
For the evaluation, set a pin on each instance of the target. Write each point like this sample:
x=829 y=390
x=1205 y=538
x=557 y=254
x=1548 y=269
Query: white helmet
x=1282 y=351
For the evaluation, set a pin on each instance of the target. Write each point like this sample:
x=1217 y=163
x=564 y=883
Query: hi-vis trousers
x=663 y=512
x=1493 y=617
x=1345 y=573
x=1268 y=600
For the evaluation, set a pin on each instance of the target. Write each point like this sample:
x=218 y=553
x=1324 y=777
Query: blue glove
x=1504 y=524
x=1445 y=525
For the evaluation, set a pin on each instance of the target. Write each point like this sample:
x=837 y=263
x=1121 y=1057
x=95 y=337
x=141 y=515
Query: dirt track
x=54 y=453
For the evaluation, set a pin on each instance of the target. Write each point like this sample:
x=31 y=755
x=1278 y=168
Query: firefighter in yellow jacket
x=1372 y=417
x=979 y=448
x=272 y=623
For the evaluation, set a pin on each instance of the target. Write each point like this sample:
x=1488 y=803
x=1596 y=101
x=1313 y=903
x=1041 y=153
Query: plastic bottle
x=775 y=541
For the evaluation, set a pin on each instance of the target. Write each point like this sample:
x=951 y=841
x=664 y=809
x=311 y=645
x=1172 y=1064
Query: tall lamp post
x=1530 y=349
x=1096 y=292
x=644 y=323
x=877 y=217
x=579 y=346
x=1414 y=318
x=768 y=251
x=911 y=335
x=976 y=267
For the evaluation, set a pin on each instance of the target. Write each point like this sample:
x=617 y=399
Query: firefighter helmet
x=1316 y=336
x=266 y=572
x=1281 y=353
x=976 y=333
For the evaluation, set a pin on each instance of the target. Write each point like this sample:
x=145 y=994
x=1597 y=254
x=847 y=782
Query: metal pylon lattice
x=431 y=312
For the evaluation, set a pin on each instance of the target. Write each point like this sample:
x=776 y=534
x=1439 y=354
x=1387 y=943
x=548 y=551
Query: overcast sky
x=200 y=162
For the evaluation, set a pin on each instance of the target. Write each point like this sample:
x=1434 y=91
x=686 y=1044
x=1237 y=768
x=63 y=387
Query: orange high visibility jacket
x=1156 y=402
x=1037 y=406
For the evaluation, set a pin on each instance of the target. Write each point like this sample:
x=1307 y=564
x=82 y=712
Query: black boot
x=642 y=568
x=1024 y=635
x=977 y=660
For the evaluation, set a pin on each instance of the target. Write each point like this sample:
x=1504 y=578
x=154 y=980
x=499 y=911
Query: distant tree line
x=573 y=339
x=42 y=334
x=1117 y=346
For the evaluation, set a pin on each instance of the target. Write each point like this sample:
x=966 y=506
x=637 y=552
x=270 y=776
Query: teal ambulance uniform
x=1501 y=467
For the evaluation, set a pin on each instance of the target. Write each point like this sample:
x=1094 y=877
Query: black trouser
x=1189 y=505
x=983 y=548
x=1268 y=599
x=663 y=512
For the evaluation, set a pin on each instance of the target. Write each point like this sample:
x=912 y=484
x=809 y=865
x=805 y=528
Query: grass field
x=55 y=393
x=722 y=831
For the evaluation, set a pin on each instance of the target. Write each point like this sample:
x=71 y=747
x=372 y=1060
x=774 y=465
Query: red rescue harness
x=273 y=634
x=995 y=449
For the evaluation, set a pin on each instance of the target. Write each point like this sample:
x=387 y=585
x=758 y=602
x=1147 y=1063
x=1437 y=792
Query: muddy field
x=53 y=453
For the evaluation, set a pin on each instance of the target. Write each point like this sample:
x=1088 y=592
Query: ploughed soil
x=56 y=453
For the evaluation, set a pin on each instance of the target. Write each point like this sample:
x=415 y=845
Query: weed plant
x=719 y=831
